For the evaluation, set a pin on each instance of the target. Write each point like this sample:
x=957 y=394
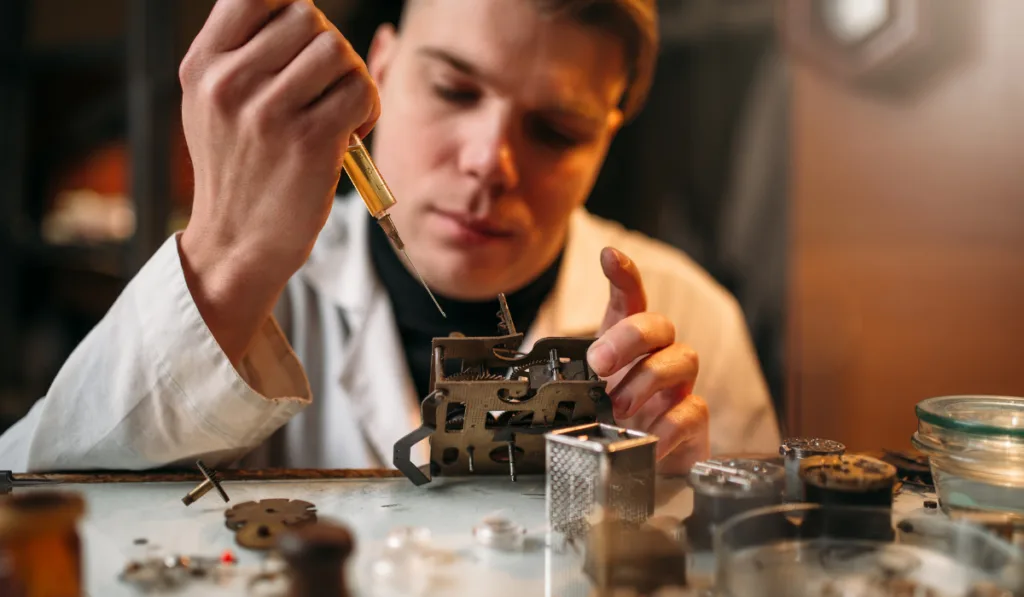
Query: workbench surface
x=118 y=514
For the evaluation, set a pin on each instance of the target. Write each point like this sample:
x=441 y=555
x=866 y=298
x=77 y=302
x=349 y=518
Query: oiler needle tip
x=425 y=287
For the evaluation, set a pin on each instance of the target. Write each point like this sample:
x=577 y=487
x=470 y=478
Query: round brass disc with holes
x=258 y=524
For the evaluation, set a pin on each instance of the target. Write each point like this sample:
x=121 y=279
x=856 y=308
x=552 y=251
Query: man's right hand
x=272 y=93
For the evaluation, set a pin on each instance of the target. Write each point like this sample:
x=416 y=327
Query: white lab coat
x=325 y=384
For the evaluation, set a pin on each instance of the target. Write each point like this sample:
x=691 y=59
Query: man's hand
x=650 y=375
x=272 y=93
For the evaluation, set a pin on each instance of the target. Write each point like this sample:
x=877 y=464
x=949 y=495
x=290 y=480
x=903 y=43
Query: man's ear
x=382 y=51
x=613 y=124
x=615 y=121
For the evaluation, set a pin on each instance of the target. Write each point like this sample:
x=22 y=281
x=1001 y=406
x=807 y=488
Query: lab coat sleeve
x=149 y=386
x=743 y=418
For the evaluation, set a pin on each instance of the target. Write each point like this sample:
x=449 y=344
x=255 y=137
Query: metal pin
x=506 y=315
x=556 y=369
x=378 y=198
x=512 y=458
x=470 y=451
x=425 y=287
x=211 y=482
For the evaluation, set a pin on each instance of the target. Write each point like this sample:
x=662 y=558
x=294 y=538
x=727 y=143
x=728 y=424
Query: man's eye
x=456 y=95
x=552 y=137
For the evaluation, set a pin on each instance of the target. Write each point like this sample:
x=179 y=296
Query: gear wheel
x=473 y=376
x=258 y=524
x=519 y=370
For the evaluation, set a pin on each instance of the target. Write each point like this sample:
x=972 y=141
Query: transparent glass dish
x=798 y=550
x=976 y=448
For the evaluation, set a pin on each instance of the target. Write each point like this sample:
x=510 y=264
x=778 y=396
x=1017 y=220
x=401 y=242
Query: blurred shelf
x=42 y=60
x=107 y=259
x=57 y=98
x=108 y=53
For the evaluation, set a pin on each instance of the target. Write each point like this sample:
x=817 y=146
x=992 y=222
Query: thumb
x=626 y=292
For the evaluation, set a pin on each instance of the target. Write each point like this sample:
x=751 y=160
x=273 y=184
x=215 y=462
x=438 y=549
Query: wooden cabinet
x=907 y=255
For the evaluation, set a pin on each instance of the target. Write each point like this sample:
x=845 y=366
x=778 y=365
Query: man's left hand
x=650 y=375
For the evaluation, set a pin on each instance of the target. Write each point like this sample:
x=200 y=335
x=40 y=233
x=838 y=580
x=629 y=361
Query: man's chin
x=467 y=284
x=471 y=274
x=467 y=288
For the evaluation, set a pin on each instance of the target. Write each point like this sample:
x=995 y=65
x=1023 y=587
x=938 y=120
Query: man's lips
x=475 y=226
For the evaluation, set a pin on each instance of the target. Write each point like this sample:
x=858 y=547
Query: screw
x=512 y=458
x=200 y=490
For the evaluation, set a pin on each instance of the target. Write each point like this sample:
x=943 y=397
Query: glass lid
x=984 y=415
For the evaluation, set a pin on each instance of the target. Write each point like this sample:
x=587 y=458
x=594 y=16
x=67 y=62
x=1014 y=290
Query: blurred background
x=849 y=169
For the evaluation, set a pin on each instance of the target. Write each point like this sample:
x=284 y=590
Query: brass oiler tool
x=378 y=198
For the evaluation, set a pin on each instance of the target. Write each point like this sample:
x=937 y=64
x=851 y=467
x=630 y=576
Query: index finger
x=681 y=425
x=232 y=23
x=626 y=290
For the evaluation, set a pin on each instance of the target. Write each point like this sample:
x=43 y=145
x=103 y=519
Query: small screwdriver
x=378 y=199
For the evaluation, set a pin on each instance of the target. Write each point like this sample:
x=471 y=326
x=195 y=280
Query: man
x=281 y=328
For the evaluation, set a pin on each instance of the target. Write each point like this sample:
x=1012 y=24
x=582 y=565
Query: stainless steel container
x=598 y=472
x=727 y=487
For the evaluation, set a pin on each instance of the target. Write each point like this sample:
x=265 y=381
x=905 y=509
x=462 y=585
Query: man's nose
x=488 y=156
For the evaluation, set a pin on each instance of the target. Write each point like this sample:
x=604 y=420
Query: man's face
x=494 y=123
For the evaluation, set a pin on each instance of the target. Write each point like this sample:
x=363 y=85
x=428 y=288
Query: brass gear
x=473 y=376
x=518 y=370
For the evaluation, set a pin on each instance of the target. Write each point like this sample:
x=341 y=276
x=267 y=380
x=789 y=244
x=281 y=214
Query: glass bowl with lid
x=976 y=448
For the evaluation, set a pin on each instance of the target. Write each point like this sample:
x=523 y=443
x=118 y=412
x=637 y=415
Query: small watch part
x=794 y=451
x=801 y=448
x=499 y=533
x=723 y=488
x=851 y=479
x=211 y=482
x=170 y=572
x=258 y=524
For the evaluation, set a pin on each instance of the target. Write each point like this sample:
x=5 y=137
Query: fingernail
x=601 y=358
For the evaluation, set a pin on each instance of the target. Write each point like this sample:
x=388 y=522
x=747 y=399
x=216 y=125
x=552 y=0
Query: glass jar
x=975 y=445
x=40 y=545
